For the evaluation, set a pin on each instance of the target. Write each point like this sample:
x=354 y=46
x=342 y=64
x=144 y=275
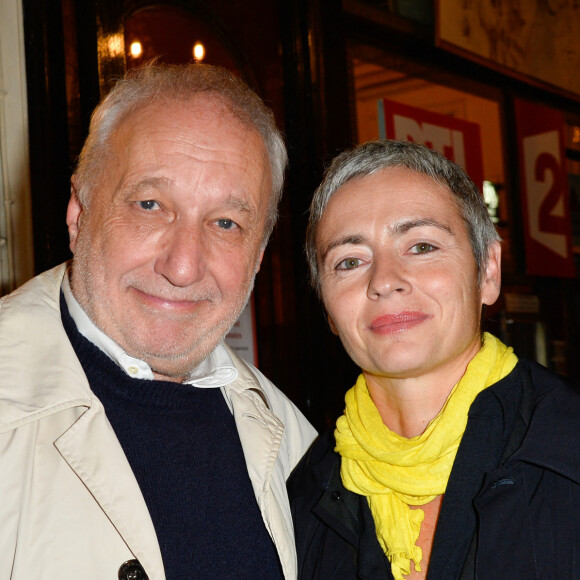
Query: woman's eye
x=226 y=224
x=148 y=204
x=348 y=264
x=422 y=248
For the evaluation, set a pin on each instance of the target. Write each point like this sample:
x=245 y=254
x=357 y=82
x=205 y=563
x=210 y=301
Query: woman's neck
x=407 y=405
x=405 y=412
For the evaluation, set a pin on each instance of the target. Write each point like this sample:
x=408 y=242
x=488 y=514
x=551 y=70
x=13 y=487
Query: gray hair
x=373 y=156
x=154 y=83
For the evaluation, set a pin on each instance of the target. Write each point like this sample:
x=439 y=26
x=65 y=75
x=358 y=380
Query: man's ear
x=260 y=258
x=331 y=324
x=73 y=215
x=491 y=283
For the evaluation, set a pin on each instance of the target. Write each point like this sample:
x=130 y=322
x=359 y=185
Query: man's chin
x=173 y=351
x=175 y=369
x=170 y=362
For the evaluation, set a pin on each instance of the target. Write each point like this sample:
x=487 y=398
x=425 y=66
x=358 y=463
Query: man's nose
x=387 y=276
x=182 y=255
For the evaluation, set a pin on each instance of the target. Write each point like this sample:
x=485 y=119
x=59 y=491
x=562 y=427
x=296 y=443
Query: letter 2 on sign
x=544 y=191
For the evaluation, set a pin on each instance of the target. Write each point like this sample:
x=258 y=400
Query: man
x=453 y=459
x=133 y=442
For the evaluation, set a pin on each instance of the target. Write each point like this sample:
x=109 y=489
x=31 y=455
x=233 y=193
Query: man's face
x=166 y=253
x=399 y=279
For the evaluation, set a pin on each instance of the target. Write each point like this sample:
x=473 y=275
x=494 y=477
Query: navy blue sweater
x=184 y=449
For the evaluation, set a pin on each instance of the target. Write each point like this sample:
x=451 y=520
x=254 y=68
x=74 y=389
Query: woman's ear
x=491 y=283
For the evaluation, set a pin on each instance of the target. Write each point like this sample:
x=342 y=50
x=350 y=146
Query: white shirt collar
x=217 y=370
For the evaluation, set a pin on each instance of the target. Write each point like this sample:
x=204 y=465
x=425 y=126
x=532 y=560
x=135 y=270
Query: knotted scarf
x=395 y=472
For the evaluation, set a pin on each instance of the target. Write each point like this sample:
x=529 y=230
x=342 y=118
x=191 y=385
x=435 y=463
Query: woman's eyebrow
x=404 y=226
x=342 y=241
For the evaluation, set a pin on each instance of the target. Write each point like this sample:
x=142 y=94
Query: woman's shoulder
x=315 y=468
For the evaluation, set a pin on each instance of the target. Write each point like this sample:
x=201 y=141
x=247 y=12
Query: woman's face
x=398 y=276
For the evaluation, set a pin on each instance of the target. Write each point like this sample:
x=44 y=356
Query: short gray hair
x=373 y=156
x=153 y=83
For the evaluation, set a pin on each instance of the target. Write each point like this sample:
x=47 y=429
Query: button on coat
x=132 y=570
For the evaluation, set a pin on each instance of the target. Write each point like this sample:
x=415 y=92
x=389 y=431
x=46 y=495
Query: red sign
x=544 y=190
x=456 y=139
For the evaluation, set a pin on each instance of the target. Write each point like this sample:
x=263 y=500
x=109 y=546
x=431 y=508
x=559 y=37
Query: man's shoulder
x=296 y=427
x=39 y=373
x=31 y=313
x=41 y=291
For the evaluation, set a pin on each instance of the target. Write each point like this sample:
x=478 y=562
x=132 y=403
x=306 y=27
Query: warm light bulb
x=115 y=44
x=136 y=49
x=198 y=51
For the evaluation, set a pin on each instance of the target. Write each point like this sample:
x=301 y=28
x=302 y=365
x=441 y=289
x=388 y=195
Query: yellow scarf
x=395 y=472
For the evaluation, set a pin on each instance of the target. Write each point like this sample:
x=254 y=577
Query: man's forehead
x=203 y=121
x=203 y=106
x=202 y=127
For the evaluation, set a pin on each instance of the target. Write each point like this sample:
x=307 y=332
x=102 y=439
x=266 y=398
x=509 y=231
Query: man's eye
x=226 y=224
x=348 y=264
x=422 y=248
x=148 y=204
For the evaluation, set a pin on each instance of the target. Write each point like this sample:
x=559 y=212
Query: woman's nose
x=387 y=276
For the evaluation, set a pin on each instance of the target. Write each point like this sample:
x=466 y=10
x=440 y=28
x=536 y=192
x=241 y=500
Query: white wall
x=16 y=257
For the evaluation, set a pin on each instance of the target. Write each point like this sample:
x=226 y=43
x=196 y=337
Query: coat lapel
x=261 y=435
x=92 y=450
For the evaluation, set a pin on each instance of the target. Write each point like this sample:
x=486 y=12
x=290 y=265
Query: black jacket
x=512 y=505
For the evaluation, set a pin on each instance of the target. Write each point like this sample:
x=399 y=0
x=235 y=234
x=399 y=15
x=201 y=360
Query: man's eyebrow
x=350 y=239
x=240 y=204
x=149 y=183
x=234 y=201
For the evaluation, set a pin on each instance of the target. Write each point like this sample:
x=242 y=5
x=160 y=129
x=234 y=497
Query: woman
x=440 y=466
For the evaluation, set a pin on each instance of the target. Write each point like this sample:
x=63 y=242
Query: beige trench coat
x=70 y=506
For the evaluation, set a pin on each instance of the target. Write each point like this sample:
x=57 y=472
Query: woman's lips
x=392 y=323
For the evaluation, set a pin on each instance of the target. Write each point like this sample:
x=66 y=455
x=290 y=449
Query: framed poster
x=536 y=38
